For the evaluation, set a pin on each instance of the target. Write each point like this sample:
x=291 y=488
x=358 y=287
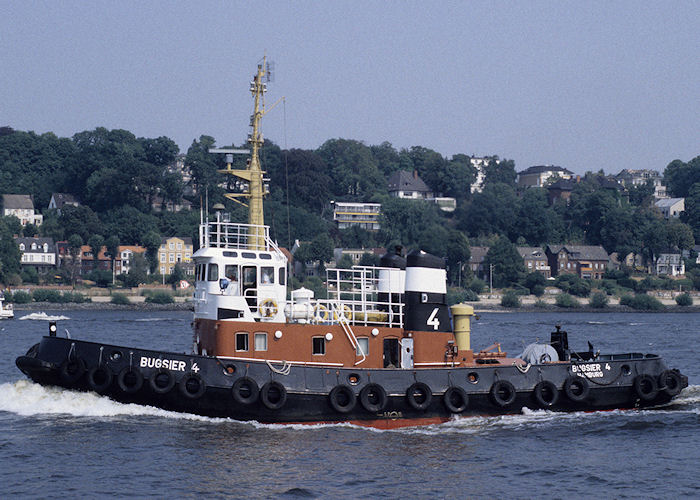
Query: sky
x=584 y=85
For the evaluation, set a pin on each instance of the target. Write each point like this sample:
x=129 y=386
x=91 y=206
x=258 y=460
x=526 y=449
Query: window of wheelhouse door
x=250 y=283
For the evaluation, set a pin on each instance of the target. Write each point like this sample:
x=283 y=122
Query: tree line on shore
x=124 y=182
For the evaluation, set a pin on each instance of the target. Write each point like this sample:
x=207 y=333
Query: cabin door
x=391 y=353
x=250 y=283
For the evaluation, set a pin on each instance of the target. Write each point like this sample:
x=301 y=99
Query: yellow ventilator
x=461 y=318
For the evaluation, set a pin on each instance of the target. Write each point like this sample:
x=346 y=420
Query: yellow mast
x=253 y=174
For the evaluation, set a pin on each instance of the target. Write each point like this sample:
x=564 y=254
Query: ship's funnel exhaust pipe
x=426 y=294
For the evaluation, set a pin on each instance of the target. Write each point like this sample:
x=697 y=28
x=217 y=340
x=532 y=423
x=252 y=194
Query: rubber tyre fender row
x=192 y=386
x=342 y=398
x=645 y=387
x=100 y=378
x=130 y=380
x=456 y=399
x=162 y=381
x=670 y=383
x=502 y=393
x=546 y=394
x=72 y=370
x=245 y=391
x=373 y=397
x=419 y=396
x=273 y=395
x=576 y=388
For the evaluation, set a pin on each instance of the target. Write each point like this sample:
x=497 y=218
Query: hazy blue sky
x=584 y=85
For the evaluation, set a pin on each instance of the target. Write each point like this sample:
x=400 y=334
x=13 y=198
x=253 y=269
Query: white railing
x=236 y=236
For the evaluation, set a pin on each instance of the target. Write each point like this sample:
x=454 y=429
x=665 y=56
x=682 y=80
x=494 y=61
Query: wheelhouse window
x=267 y=275
x=242 y=341
x=282 y=276
x=261 y=341
x=318 y=345
x=362 y=346
x=213 y=272
x=231 y=272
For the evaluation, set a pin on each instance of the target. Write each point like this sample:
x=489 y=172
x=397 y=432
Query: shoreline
x=479 y=307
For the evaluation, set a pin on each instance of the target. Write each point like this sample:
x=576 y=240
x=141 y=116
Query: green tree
x=494 y=210
x=508 y=267
x=500 y=172
x=353 y=169
x=75 y=241
x=151 y=241
x=679 y=177
x=80 y=220
x=9 y=251
x=96 y=242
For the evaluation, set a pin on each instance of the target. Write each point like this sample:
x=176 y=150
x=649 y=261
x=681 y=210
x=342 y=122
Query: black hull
x=274 y=393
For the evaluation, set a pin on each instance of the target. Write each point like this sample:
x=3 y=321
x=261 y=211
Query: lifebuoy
x=419 y=396
x=321 y=312
x=342 y=398
x=645 y=387
x=100 y=378
x=273 y=395
x=373 y=397
x=502 y=393
x=245 y=391
x=268 y=308
x=162 y=381
x=130 y=380
x=670 y=382
x=576 y=388
x=456 y=399
x=192 y=386
x=72 y=370
x=345 y=313
x=546 y=394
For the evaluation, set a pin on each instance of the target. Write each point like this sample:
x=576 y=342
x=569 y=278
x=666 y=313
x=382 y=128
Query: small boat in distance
x=6 y=311
x=382 y=349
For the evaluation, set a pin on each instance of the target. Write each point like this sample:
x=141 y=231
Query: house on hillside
x=671 y=208
x=125 y=256
x=584 y=261
x=480 y=164
x=22 y=207
x=538 y=175
x=90 y=262
x=476 y=262
x=670 y=264
x=60 y=200
x=535 y=260
x=39 y=253
x=560 y=190
x=159 y=205
x=402 y=184
x=175 y=250
x=363 y=215
x=629 y=178
x=355 y=254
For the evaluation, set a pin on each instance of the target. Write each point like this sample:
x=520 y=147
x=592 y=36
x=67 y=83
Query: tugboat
x=383 y=349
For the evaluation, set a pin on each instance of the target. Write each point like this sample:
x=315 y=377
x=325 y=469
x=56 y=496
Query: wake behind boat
x=42 y=316
x=383 y=349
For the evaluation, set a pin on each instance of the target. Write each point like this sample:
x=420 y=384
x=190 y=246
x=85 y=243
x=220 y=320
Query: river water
x=58 y=443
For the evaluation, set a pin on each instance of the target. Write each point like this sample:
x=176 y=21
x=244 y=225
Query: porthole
x=626 y=370
x=473 y=377
x=353 y=378
x=229 y=369
x=115 y=356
